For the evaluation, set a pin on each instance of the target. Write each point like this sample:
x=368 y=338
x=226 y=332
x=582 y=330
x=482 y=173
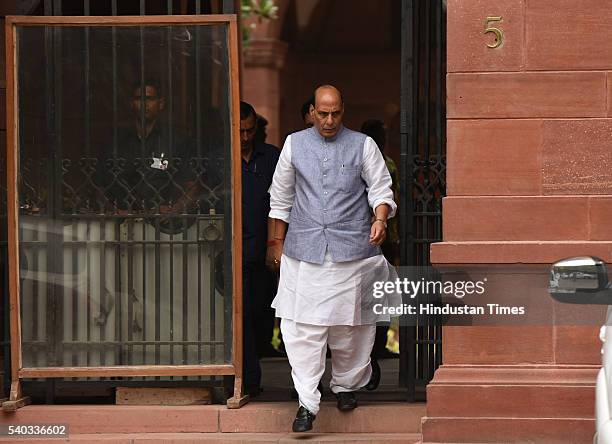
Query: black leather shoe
x=375 y=378
x=303 y=420
x=346 y=401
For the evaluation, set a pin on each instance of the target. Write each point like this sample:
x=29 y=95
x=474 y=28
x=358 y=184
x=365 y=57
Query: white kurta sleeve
x=377 y=177
x=282 y=190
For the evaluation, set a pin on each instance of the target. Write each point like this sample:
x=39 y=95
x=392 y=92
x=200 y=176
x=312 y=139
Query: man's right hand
x=273 y=255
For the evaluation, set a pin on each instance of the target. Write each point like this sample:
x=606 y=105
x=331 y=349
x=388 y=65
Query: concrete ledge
x=500 y=252
x=120 y=418
x=573 y=375
x=511 y=403
x=367 y=418
x=262 y=417
x=508 y=430
x=260 y=438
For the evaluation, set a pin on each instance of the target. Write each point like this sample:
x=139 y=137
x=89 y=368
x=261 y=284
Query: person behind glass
x=328 y=184
x=377 y=130
x=147 y=170
x=258 y=163
x=390 y=247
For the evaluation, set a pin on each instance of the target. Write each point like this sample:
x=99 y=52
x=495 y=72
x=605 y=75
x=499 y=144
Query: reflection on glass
x=124 y=191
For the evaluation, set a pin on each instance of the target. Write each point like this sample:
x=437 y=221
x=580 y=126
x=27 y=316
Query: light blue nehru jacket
x=330 y=209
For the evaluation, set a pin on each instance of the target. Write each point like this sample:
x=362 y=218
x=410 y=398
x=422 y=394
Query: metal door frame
x=17 y=370
x=55 y=8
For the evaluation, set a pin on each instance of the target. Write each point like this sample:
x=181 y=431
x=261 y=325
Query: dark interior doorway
x=397 y=47
x=389 y=60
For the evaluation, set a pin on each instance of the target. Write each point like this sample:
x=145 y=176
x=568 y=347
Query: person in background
x=305 y=112
x=258 y=163
x=306 y=116
x=261 y=135
x=376 y=130
x=148 y=171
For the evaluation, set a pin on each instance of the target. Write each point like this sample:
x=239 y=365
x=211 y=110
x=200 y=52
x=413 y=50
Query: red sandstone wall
x=529 y=158
x=529 y=132
x=529 y=181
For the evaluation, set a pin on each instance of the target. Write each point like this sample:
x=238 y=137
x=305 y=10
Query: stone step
x=509 y=430
x=235 y=438
x=511 y=401
x=367 y=418
x=263 y=417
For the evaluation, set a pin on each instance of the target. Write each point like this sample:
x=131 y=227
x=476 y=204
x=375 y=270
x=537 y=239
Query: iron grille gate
x=423 y=168
x=194 y=243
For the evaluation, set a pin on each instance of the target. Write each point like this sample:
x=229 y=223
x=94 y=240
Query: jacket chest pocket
x=350 y=178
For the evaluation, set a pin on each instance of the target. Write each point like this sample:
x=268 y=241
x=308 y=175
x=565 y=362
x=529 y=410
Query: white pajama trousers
x=350 y=347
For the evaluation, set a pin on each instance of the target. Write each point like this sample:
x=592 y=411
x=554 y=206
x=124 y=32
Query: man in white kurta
x=332 y=188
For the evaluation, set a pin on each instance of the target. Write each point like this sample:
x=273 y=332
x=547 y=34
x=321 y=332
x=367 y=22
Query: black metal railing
x=423 y=168
x=134 y=283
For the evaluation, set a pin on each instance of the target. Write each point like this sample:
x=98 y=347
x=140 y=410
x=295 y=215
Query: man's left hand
x=378 y=233
x=273 y=255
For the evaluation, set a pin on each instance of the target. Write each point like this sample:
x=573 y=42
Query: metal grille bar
x=423 y=168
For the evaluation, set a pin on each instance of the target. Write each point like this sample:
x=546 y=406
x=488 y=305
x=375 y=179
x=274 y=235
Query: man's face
x=248 y=128
x=327 y=114
x=153 y=104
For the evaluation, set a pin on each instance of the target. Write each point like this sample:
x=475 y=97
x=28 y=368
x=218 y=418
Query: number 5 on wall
x=499 y=34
